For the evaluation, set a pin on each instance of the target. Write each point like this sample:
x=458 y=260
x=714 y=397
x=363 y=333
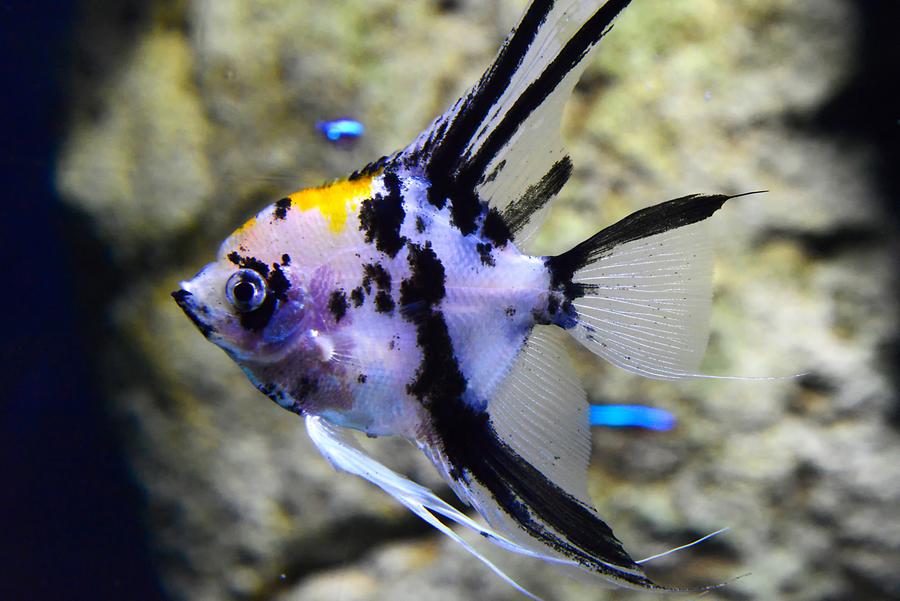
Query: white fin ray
x=336 y=444
x=541 y=411
x=648 y=302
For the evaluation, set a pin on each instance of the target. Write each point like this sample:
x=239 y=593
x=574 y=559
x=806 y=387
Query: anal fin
x=523 y=463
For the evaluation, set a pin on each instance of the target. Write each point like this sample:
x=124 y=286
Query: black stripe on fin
x=539 y=90
x=539 y=506
x=443 y=151
x=640 y=224
x=474 y=107
x=517 y=213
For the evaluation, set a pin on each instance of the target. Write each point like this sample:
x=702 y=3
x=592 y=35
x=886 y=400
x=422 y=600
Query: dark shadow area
x=69 y=509
x=867 y=111
x=866 y=114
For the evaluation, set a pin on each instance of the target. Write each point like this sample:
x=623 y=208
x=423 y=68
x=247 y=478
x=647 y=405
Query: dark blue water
x=69 y=514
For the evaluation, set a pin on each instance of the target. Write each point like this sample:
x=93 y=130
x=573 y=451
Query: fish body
x=401 y=301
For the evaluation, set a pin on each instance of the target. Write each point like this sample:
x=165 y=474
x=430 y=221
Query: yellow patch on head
x=335 y=201
x=247 y=225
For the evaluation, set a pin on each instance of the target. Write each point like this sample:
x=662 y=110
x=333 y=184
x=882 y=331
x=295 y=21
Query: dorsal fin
x=500 y=143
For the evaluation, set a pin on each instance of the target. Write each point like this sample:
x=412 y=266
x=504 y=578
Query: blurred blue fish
x=631 y=416
x=341 y=129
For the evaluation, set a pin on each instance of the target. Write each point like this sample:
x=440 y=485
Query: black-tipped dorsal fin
x=501 y=142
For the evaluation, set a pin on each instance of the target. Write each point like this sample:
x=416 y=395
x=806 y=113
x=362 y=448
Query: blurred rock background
x=184 y=117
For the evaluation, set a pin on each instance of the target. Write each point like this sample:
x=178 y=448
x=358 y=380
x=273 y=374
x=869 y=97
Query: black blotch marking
x=552 y=304
x=464 y=211
x=425 y=286
x=278 y=282
x=271 y=391
x=369 y=170
x=285 y=259
x=484 y=251
x=304 y=388
x=495 y=229
x=438 y=381
x=495 y=172
x=381 y=217
x=510 y=311
x=374 y=272
x=361 y=378
x=517 y=213
x=357 y=296
x=337 y=304
x=420 y=225
x=383 y=302
x=281 y=208
x=249 y=263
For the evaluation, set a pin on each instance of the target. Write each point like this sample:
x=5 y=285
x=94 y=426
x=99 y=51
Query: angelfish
x=401 y=302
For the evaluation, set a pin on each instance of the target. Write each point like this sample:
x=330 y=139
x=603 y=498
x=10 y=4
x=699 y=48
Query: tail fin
x=638 y=293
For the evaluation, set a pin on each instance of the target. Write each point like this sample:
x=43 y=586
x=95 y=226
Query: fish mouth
x=192 y=309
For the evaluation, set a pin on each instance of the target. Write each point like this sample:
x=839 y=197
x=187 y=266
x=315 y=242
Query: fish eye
x=246 y=290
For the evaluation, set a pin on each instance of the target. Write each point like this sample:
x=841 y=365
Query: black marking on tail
x=519 y=212
x=539 y=506
x=641 y=224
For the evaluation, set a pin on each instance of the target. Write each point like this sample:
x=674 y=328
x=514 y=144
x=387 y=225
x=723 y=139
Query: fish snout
x=194 y=310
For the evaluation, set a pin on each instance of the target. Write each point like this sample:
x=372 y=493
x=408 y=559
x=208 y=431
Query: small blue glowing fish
x=401 y=301
x=631 y=416
x=341 y=129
